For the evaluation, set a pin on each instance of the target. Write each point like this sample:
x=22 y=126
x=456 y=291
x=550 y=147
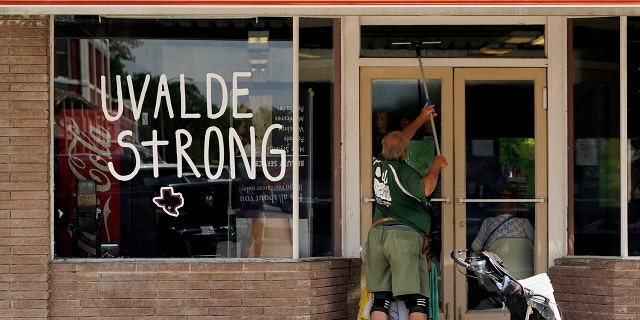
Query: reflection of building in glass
x=79 y=66
x=84 y=140
x=258 y=49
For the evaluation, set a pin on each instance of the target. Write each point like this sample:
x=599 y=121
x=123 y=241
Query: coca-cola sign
x=86 y=145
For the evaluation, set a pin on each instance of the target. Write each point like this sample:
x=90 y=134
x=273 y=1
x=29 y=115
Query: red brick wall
x=319 y=289
x=603 y=289
x=24 y=166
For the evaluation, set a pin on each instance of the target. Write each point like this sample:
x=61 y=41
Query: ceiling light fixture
x=258 y=37
x=495 y=51
x=519 y=37
x=539 y=41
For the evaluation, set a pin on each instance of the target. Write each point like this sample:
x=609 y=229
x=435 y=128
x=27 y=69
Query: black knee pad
x=382 y=301
x=416 y=303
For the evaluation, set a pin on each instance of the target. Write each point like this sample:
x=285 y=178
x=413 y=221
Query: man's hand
x=427 y=111
x=421 y=119
x=431 y=178
x=440 y=162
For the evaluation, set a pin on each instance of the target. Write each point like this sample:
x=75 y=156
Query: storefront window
x=595 y=136
x=633 y=133
x=173 y=138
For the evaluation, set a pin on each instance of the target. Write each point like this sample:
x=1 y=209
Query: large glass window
x=175 y=140
x=595 y=136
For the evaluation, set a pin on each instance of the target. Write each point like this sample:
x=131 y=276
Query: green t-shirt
x=399 y=193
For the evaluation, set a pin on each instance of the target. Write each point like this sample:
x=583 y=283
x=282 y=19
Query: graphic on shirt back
x=380 y=187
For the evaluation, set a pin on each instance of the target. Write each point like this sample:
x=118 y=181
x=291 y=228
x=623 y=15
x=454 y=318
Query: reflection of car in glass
x=202 y=222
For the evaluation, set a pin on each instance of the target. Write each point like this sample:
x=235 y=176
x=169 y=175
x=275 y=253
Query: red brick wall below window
x=602 y=289
x=311 y=289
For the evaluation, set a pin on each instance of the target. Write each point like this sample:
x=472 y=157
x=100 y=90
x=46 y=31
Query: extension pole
x=418 y=46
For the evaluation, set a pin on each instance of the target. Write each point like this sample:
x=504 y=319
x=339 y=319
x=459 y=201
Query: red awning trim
x=315 y=2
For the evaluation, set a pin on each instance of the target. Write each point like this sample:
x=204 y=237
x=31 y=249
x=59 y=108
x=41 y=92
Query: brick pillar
x=25 y=142
x=603 y=289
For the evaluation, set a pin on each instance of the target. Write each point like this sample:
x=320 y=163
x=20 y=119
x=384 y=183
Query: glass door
x=500 y=173
x=492 y=129
x=389 y=97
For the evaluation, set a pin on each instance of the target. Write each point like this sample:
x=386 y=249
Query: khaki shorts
x=394 y=261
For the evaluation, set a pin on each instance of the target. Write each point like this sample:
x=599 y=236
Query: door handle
x=462 y=200
x=446 y=199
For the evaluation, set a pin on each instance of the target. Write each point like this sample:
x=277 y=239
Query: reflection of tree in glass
x=119 y=51
x=517 y=159
x=195 y=102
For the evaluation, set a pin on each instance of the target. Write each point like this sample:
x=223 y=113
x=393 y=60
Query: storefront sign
x=184 y=138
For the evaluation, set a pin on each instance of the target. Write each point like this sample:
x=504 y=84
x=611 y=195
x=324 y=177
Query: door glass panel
x=395 y=103
x=500 y=158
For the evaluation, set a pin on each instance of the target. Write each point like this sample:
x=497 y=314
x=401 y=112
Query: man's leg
x=417 y=305
x=381 y=303
x=257 y=236
x=378 y=274
x=379 y=315
x=417 y=316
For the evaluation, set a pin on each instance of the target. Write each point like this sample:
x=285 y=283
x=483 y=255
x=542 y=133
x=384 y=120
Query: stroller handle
x=455 y=255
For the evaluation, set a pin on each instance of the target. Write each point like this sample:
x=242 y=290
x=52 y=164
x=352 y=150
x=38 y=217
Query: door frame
x=538 y=75
x=448 y=113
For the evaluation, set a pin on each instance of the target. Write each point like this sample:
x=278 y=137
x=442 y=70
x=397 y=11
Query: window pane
x=596 y=132
x=62 y=58
x=318 y=104
x=633 y=133
x=193 y=156
x=453 y=41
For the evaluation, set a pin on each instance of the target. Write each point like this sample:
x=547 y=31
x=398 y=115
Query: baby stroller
x=527 y=299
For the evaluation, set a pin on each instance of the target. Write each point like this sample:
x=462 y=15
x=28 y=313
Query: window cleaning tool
x=433 y=277
x=418 y=47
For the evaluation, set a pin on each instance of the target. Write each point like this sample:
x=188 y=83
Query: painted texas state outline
x=169 y=201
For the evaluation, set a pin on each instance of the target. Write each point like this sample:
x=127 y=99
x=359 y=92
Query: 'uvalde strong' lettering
x=183 y=137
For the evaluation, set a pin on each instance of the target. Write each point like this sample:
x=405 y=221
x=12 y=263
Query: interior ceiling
x=79 y=26
x=448 y=40
x=376 y=41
